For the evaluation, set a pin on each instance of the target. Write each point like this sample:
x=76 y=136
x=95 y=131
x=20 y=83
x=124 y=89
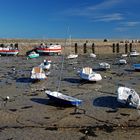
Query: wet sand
x=30 y=115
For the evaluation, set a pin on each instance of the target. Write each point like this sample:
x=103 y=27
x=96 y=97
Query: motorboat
x=104 y=66
x=87 y=74
x=38 y=73
x=46 y=65
x=128 y=97
x=72 y=56
x=134 y=53
x=93 y=55
x=8 y=51
x=33 y=55
x=136 y=67
x=55 y=49
x=122 y=62
x=62 y=99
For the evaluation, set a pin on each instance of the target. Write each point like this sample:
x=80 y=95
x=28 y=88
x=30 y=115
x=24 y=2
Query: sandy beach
x=28 y=114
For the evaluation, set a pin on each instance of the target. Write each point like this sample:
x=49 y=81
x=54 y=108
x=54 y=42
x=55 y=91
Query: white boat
x=104 y=66
x=8 y=51
x=93 y=55
x=72 y=56
x=46 y=65
x=62 y=99
x=87 y=74
x=122 y=62
x=49 y=49
x=128 y=97
x=38 y=73
x=134 y=53
x=124 y=55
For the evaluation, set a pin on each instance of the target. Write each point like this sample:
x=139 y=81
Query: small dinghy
x=124 y=55
x=134 y=53
x=87 y=74
x=128 y=97
x=93 y=55
x=72 y=56
x=104 y=66
x=136 y=67
x=33 y=55
x=46 y=65
x=38 y=74
x=122 y=62
x=62 y=99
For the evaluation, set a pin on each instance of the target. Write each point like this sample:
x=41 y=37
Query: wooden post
x=118 y=48
x=85 y=48
x=126 y=48
x=130 y=47
x=113 y=48
x=93 y=48
x=76 y=49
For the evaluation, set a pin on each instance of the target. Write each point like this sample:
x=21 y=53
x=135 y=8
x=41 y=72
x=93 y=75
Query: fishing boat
x=51 y=49
x=62 y=99
x=87 y=74
x=136 y=67
x=38 y=73
x=33 y=55
x=128 y=97
x=72 y=56
x=124 y=55
x=104 y=66
x=134 y=53
x=46 y=65
x=8 y=51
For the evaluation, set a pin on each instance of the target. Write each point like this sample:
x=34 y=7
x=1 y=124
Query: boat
x=136 y=67
x=62 y=99
x=122 y=62
x=51 y=49
x=8 y=51
x=87 y=74
x=72 y=56
x=93 y=55
x=59 y=98
x=33 y=55
x=124 y=55
x=38 y=73
x=134 y=53
x=46 y=65
x=128 y=97
x=104 y=66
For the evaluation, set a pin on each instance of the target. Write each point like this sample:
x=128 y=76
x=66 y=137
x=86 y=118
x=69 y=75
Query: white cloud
x=105 y=5
x=109 y=17
x=131 y=23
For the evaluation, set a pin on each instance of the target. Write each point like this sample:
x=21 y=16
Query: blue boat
x=136 y=67
x=62 y=99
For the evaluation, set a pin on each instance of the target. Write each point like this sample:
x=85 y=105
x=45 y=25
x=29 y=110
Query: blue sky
x=62 y=18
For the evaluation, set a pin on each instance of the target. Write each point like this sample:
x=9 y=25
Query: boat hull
x=9 y=52
x=136 y=67
x=63 y=99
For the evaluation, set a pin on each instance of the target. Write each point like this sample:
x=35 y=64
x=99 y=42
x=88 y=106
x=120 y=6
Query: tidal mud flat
x=28 y=114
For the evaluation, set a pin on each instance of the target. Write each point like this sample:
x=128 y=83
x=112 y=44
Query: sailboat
x=60 y=98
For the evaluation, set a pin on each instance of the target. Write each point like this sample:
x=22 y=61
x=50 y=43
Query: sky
x=44 y=19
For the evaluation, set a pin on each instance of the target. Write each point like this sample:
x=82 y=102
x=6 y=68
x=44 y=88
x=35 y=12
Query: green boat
x=33 y=55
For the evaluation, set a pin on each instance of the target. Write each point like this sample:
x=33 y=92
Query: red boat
x=8 y=51
x=49 y=49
